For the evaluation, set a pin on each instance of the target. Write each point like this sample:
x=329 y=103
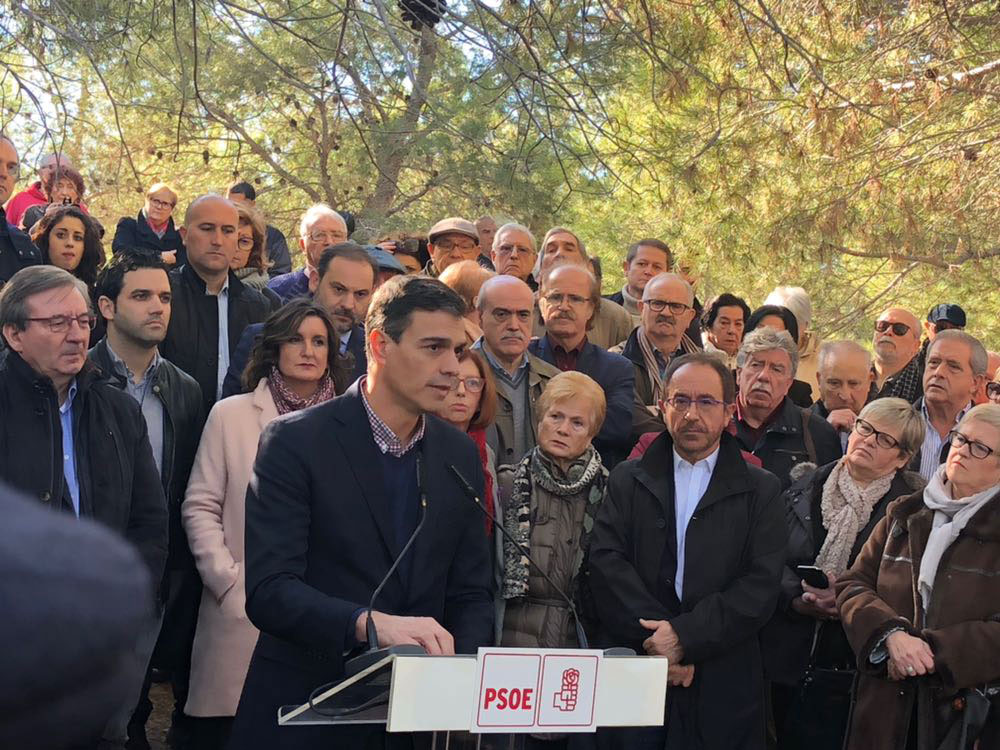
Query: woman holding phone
x=831 y=512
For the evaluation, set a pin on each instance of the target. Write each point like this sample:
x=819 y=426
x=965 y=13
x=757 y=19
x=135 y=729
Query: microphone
x=581 y=637
x=374 y=652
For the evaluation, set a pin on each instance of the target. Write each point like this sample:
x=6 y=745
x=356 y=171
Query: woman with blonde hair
x=153 y=230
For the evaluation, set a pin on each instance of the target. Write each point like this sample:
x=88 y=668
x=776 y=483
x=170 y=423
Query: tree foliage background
x=847 y=146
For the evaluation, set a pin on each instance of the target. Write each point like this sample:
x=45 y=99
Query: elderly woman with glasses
x=921 y=606
x=831 y=512
x=153 y=230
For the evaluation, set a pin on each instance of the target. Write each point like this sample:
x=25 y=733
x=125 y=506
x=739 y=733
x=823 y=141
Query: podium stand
x=439 y=694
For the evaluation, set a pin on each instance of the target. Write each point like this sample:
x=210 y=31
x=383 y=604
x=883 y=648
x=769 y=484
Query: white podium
x=420 y=693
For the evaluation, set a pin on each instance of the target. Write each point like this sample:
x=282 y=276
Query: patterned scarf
x=653 y=364
x=846 y=507
x=286 y=400
x=586 y=473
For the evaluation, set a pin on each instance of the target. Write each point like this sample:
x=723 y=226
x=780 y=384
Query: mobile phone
x=813 y=576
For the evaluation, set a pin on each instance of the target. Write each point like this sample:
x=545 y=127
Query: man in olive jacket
x=686 y=561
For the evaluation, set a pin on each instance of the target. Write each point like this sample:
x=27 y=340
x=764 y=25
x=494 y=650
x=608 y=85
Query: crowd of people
x=808 y=530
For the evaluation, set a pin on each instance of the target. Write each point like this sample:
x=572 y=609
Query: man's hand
x=663 y=641
x=169 y=257
x=908 y=656
x=394 y=630
x=820 y=604
x=680 y=675
x=842 y=420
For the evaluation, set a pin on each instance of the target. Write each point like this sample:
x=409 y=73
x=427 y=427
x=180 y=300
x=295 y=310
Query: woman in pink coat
x=292 y=366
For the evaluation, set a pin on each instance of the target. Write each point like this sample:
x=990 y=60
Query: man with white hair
x=319 y=228
x=767 y=423
x=611 y=324
x=796 y=299
x=513 y=253
x=846 y=384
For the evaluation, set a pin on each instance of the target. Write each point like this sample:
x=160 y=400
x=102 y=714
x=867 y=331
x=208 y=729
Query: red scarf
x=479 y=438
x=286 y=400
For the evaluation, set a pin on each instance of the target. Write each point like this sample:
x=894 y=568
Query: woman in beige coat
x=292 y=366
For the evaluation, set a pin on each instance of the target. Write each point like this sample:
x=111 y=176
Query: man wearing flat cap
x=942 y=317
x=451 y=241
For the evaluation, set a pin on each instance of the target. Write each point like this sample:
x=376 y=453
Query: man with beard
x=665 y=311
x=685 y=562
x=955 y=372
x=505 y=305
x=342 y=284
x=844 y=376
x=133 y=296
x=896 y=343
x=767 y=423
x=337 y=490
x=568 y=296
x=71 y=440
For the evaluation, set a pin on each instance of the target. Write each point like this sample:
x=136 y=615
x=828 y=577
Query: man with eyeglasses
x=513 y=253
x=210 y=306
x=17 y=251
x=954 y=373
x=567 y=298
x=896 y=344
x=450 y=241
x=686 y=559
x=319 y=228
x=68 y=438
x=506 y=305
x=767 y=423
x=665 y=312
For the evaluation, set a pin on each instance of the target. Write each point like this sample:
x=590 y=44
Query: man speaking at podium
x=337 y=490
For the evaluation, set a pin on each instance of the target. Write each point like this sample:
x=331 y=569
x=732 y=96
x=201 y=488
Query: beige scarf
x=653 y=366
x=846 y=507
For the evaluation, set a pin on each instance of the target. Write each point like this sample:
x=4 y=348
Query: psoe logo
x=565 y=698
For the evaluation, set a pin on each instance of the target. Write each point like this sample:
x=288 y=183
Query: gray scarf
x=846 y=507
x=950 y=517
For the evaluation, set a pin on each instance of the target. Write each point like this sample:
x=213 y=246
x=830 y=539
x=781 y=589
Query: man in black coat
x=336 y=492
x=767 y=423
x=685 y=562
x=17 y=251
x=210 y=307
x=69 y=438
x=342 y=284
x=133 y=296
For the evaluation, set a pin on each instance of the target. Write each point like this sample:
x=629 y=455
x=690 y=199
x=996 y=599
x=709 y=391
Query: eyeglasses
x=993 y=390
x=557 y=298
x=245 y=243
x=472 y=385
x=331 y=238
x=702 y=403
x=502 y=314
x=976 y=449
x=882 y=439
x=504 y=250
x=61 y=323
x=160 y=204
x=448 y=245
x=658 y=305
x=898 y=329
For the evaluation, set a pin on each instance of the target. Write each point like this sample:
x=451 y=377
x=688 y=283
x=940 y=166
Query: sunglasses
x=898 y=329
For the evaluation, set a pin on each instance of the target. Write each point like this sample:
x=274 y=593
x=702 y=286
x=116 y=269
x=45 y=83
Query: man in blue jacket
x=568 y=296
x=336 y=492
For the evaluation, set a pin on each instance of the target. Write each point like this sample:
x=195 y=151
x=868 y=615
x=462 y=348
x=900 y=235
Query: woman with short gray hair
x=920 y=606
x=830 y=513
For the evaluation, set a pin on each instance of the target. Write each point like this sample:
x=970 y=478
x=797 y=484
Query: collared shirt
x=151 y=406
x=69 y=450
x=566 y=360
x=930 y=451
x=223 y=300
x=344 y=338
x=753 y=435
x=690 y=483
x=515 y=380
x=385 y=438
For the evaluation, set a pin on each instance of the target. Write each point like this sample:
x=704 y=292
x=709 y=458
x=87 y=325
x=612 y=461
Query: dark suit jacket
x=616 y=376
x=233 y=383
x=320 y=537
x=136 y=234
x=277 y=252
